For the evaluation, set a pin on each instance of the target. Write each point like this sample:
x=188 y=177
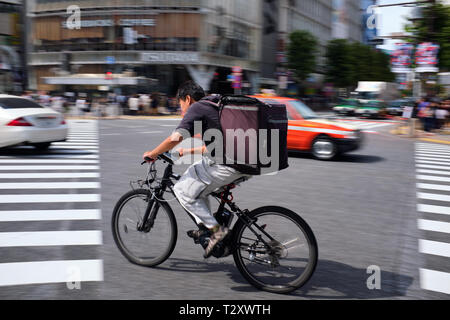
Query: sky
x=391 y=19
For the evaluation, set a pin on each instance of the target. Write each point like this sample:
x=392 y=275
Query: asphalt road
x=361 y=207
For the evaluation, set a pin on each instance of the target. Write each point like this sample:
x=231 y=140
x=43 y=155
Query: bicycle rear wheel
x=289 y=259
x=147 y=248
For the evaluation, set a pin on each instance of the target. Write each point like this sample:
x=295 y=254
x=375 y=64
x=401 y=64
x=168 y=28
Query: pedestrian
x=133 y=104
x=441 y=116
x=144 y=103
x=154 y=103
x=57 y=103
x=80 y=105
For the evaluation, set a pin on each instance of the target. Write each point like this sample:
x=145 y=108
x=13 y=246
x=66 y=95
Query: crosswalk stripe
x=445 y=159
x=50 y=215
x=446 y=163
x=46 y=175
x=56 y=156
x=48 y=167
x=81 y=140
x=437 y=151
x=40 y=272
x=434 y=248
x=432 y=154
x=432 y=166
x=432 y=196
x=445 y=173
x=75 y=144
x=50 y=185
x=47 y=161
x=436 y=226
x=51 y=238
x=48 y=198
x=428 y=208
x=73 y=150
x=433 y=186
x=435 y=280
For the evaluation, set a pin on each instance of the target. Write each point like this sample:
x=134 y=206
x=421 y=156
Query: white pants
x=199 y=180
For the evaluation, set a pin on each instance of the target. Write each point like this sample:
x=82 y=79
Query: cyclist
x=204 y=176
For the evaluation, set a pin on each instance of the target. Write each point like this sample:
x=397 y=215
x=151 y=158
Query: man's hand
x=151 y=155
x=181 y=152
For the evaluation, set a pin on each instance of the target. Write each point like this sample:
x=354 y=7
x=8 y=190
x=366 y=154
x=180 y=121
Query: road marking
x=435 y=281
x=429 y=166
x=87 y=148
x=433 y=186
x=48 y=198
x=434 y=248
x=434 y=162
x=50 y=185
x=50 y=238
x=50 y=215
x=433 y=158
x=432 y=196
x=429 y=154
x=436 y=151
x=431 y=279
x=48 y=167
x=40 y=272
x=436 y=226
x=428 y=208
x=55 y=156
x=76 y=144
x=48 y=175
x=48 y=161
x=445 y=173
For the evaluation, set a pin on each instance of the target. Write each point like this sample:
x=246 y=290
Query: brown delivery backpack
x=254 y=132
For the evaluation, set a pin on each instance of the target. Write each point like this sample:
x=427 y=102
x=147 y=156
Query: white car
x=25 y=122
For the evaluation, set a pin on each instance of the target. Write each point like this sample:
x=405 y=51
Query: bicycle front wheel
x=148 y=247
x=282 y=257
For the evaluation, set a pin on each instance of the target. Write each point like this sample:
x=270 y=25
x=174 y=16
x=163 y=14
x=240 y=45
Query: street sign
x=110 y=60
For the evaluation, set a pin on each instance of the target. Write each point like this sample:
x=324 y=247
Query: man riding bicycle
x=204 y=176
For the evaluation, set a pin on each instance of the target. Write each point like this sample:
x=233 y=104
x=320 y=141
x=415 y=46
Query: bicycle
x=273 y=248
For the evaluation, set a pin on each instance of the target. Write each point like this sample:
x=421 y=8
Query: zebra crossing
x=433 y=197
x=50 y=213
x=369 y=126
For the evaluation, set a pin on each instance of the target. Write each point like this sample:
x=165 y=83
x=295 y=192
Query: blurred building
x=282 y=17
x=347 y=20
x=11 y=47
x=168 y=40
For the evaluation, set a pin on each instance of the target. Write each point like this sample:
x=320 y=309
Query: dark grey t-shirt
x=200 y=117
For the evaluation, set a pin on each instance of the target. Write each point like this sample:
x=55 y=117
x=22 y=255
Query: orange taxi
x=324 y=138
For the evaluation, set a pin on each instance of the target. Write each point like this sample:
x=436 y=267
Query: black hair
x=192 y=89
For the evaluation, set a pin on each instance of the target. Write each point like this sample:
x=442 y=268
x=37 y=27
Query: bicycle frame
x=225 y=196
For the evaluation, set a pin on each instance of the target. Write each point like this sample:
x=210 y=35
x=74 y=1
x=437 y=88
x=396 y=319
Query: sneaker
x=215 y=238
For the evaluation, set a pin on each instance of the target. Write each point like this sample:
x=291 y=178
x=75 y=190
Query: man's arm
x=198 y=150
x=168 y=144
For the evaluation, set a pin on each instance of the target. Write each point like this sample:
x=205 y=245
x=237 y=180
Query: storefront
x=11 y=47
x=197 y=41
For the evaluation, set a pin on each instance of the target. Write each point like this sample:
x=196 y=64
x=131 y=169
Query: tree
x=339 y=69
x=347 y=63
x=301 y=52
x=433 y=26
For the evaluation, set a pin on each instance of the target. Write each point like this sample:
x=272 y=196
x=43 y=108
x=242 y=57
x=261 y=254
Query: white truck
x=374 y=97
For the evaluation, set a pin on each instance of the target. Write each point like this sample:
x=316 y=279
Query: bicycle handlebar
x=165 y=157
